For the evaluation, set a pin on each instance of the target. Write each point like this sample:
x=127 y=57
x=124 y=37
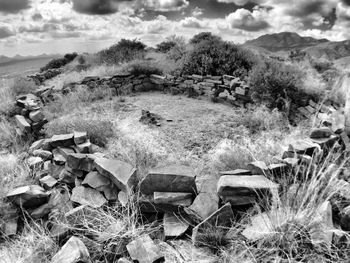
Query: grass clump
x=23 y=86
x=142 y=67
x=99 y=131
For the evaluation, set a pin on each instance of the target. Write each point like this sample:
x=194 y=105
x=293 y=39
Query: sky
x=33 y=27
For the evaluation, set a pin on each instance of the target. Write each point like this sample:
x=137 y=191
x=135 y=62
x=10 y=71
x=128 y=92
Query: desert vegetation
x=92 y=96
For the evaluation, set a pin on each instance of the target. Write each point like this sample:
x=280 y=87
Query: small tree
x=165 y=46
x=204 y=36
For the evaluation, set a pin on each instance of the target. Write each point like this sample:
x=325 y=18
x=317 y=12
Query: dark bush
x=204 y=36
x=277 y=84
x=125 y=50
x=59 y=62
x=142 y=67
x=217 y=57
x=321 y=65
x=165 y=46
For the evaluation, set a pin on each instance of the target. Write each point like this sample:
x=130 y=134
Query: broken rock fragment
x=144 y=250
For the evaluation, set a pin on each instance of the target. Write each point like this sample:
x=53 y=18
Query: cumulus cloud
x=5 y=32
x=191 y=22
x=165 y=5
x=13 y=6
x=97 y=7
x=246 y=20
x=242 y=2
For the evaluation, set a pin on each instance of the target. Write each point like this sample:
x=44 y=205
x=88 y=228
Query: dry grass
x=6 y=95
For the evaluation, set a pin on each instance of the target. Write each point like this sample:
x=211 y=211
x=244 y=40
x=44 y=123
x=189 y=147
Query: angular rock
x=291 y=162
x=203 y=206
x=87 y=196
x=258 y=167
x=110 y=192
x=144 y=250
x=164 y=198
x=48 y=182
x=79 y=161
x=174 y=225
x=36 y=116
x=65 y=151
x=63 y=140
x=85 y=147
x=304 y=147
x=173 y=178
x=35 y=162
x=79 y=137
x=58 y=158
x=236 y=172
x=95 y=180
x=220 y=218
x=320 y=133
x=73 y=251
x=326 y=143
x=278 y=169
x=123 y=198
x=345 y=219
x=45 y=155
x=67 y=177
x=22 y=124
x=122 y=174
x=30 y=196
x=244 y=190
x=147 y=205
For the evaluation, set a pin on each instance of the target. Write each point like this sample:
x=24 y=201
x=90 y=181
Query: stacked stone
x=68 y=161
x=40 y=78
x=169 y=190
x=30 y=118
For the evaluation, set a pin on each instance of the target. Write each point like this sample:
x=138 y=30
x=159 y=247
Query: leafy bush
x=99 y=131
x=125 y=50
x=217 y=57
x=275 y=82
x=321 y=65
x=142 y=67
x=165 y=46
x=23 y=86
x=59 y=62
x=204 y=36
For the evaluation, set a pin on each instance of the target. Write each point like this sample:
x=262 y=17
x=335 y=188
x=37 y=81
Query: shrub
x=142 y=67
x=274 y=82
x=23 y=86
x=217 y=57
x=204 y=36
x=165 y=46
x=99 y=131
x=321 y=65
x=59 y=62
x=125 y=50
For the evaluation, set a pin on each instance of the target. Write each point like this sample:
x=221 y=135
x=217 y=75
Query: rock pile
x=29 y=117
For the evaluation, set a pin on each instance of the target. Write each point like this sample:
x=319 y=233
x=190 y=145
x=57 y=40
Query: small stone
x=174 y=226
x=123 y=260
x=22 y=124
x=319 y=133
x=122 y=174
x=173 y=178
x=65 y=151
x=144 y=250
x=35 y=162
x=236 y=172
x=304 y=147
x=110 y=192
x=278 y=169
x=58 y=158
x=258 y=167
x=203 y=206
x=79 y=137
x=48 y=182
x=36 y=116
x=87 y=196
x=30 y=196
x=84 y=147
x=73 y=251
x=45 y=155
x=79 y=161
x=292 y=162
x=67 y=177
x=123 y=198
x=95 y=180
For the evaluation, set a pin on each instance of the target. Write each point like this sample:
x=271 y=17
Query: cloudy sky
x=60 y=26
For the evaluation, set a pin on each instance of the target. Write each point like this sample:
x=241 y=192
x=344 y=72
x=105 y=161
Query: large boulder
x=73 y=251
x=122 y=174
x=144 y=250
x=30 y=196
x=172 y=178
x=244 y=190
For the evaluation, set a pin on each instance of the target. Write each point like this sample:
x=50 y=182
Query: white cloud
x=246 y=20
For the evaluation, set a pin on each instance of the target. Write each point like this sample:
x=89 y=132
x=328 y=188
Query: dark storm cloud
x=5 y=32
x=13 y=6
x=37 y=17
x=347 y=2
x=97 y=7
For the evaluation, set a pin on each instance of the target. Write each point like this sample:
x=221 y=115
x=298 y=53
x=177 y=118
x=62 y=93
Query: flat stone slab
x=174 y=225
x=173 y=178
x=63 y=140
x=79 y=161
x=242 y=190
x=258 y=167
x=48 y=182
x=36 y=116
x=87 y=196
x=203 y=206
x=35 y=162
x=22 y=124
x=79 y=137
x=122 y=174
x=304 y=147
x=30 y=196
x=319 y=133
x=144 y=250
x=73 y=251
x=165 y=198
x=236 y=172
x=95 y=180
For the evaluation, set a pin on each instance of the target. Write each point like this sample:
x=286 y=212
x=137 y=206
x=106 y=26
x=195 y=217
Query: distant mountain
x=286 y=41
x=17 y=58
